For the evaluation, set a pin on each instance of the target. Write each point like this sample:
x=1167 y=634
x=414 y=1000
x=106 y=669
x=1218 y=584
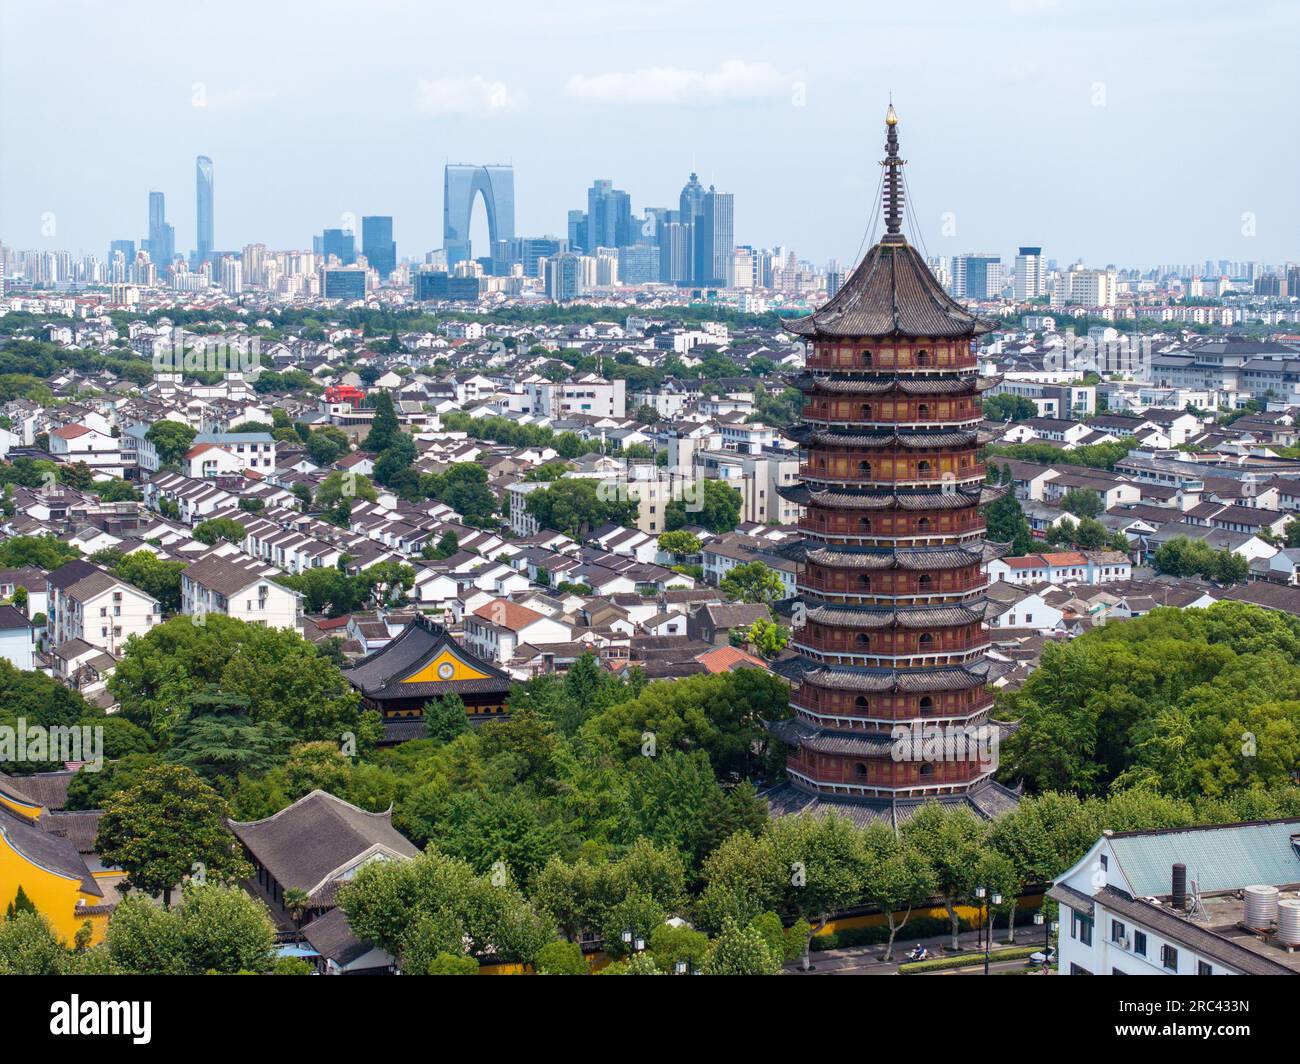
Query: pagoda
x=887 y=628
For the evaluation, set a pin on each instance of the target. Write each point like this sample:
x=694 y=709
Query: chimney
x=1179 y=899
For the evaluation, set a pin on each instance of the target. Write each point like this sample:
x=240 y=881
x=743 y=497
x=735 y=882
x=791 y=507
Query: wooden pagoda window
x=923 y=524
x=864 y=524
x=922 y=467
x=865 y=581
x=859 y=769
x=923 y=358
x=923 y=582
x=864 y=640
x=923 y=410
x=926 y=641
x=926 y=704
x=822 y=405
x=821 y=463
x=861 y=703
x=864 y=469
x=927 y=769
x=866 y=411
x=866 y=358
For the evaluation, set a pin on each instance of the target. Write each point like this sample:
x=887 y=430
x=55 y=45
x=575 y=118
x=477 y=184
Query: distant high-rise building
x=675 y=253
x=439 y=286
x=577 y=230
x=377 y=244
x=340 y=243
x=564 y=277
x=343 y=282
x=461 y=183
x=976 y=276
x=203 y=183
x=126 y=247
x=609 y=217
x=1031 y=274
x=715 y=241
x=161 y=242
x=232 y=276
x=638 y=264
x=526 y=251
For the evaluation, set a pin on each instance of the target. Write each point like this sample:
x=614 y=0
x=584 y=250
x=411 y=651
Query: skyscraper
x=461 y=183
x=976 y=276
x=1031 y=274
x=203 y=182
x=609 y=217
x=564 y=277
x=715 y=241
x=340 y=243
x=161 y=242
x=377 y=244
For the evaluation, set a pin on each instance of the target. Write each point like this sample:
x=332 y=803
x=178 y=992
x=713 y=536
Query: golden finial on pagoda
x=891 y=117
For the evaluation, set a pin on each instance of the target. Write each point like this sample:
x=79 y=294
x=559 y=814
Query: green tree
x=576 y=506
x=384 y=428
x=463 y=487
x=163 y=828
x=1082 y=502
x=215 y=529
x=1006 y=523
x=679 y=544
x=29 y=946
x=717 y=508
x=171 y=440
x=753 y=582
x=562 y=958
x=740 y=951
x=767 y=637
x=44 y=552
x=445 y=718
x=898 y=877
x=951 y=840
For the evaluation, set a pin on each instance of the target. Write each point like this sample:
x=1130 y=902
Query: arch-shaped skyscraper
x=461 y=183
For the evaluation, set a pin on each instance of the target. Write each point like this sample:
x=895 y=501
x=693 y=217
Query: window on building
x=1117 y=931
x=1169 y=958
x=1081 y=927
x=1204 y=968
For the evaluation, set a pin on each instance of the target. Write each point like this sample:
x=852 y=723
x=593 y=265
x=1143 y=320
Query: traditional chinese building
x=888 y=625
x=421 y=665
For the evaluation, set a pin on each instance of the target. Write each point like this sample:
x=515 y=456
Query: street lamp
x=986 y=925
x=1048 y=927
x=632 y=940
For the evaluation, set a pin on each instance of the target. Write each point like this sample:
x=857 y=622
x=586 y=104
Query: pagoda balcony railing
x=811 y=417
x=825 y=478
x=885 y=724
x=910 y=790
x=876 y=598
x=949 y=586
x=941 y=358
x=902 y=540
x=892 y=661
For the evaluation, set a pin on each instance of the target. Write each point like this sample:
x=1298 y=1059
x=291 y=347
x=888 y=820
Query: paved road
x=865 y=960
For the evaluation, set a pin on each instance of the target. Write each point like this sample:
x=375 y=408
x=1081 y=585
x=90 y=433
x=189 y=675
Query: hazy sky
x=1135 y=132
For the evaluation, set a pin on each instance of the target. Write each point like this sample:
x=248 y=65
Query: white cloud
x=734 y=81
x=473 y=95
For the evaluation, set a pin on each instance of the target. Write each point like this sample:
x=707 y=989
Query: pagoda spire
x=893 y=191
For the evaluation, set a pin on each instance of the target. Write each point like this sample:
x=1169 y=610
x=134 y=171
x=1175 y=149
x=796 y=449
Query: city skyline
x=1031 y=131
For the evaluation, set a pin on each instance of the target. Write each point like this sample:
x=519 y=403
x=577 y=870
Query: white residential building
x=234 y=585
x=1170 y=902
x=88 y=603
